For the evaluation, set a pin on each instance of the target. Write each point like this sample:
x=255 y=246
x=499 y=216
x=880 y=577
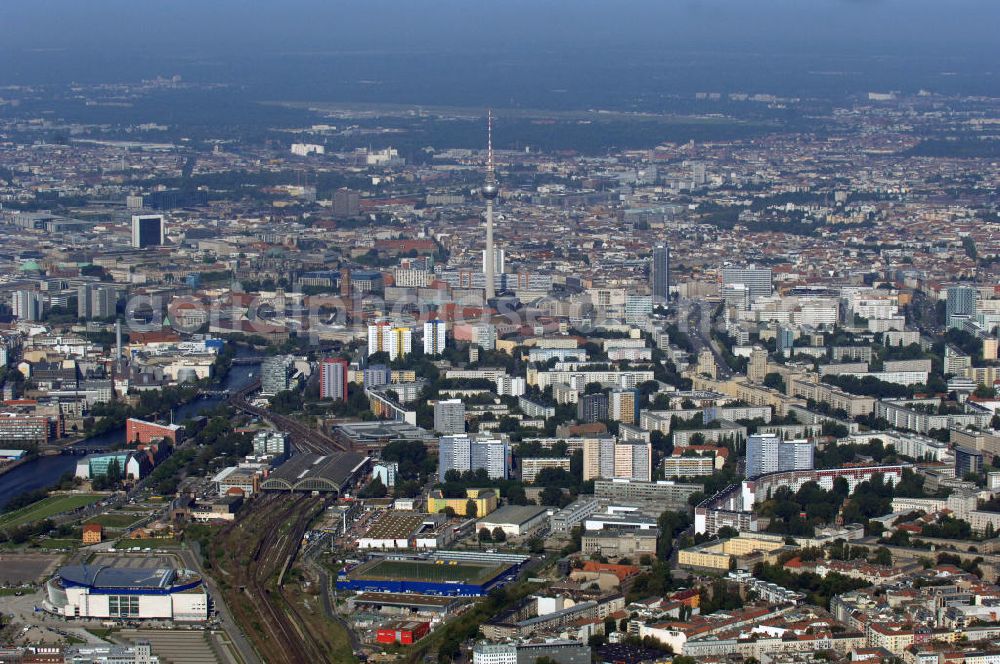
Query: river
x=44 y=472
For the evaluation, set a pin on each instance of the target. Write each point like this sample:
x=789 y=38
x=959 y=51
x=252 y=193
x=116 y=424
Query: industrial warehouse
x=127 y=593
x=448 y=573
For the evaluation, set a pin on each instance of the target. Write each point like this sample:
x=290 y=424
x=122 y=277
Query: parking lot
x=162 y=560
x=18 y=568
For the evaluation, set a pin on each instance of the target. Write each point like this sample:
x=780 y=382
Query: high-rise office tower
x=449 y=416
x=638 y=308
x=484 y=335
x=147 y=230
x=28 y=305
x=736 y=295
x=434 y=337
x=346 y=203
x=961 y=302
x=757 y=280
x=333 y=378
x=698 y=174
x=785 y=340
x=96 y=301
x=489 y=191
x=967 y=461
x=659 y=274
x=275 y=373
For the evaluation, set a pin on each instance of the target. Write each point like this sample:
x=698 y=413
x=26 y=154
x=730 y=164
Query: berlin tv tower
x=490 y=191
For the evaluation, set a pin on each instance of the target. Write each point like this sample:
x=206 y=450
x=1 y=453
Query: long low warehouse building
x=427 y=576
x=515 y=520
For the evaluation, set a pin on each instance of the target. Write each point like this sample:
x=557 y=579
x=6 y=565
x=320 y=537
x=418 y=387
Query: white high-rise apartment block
x=484 y=335
x=396 y=341
x=28 y=305
x=434 y=337
x=449 y=416
x=634 y=461
x=471 y=452
x=386 y=471
x=768 y=453
x=498 y=260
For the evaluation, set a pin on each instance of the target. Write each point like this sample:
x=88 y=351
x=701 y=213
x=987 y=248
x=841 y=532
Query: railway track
x=273 y=530
x=304 y=437
x=261 y=547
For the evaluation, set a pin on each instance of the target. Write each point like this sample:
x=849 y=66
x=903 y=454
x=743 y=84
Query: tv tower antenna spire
x=489 y=191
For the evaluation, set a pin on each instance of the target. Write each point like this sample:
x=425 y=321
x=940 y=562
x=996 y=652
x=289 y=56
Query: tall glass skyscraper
x=659 y=274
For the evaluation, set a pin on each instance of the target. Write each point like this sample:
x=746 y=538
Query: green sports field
x=47 y=507
x=115 y=520
x=415 y=570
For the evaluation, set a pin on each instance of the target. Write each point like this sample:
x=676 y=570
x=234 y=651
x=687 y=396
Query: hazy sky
x=220 y=25
x=319 y=49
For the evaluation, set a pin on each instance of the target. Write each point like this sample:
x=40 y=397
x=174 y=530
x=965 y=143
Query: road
x=329 y=605
x=694 y=321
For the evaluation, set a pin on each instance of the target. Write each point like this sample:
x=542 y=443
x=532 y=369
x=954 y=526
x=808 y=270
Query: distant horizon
x=527 y=54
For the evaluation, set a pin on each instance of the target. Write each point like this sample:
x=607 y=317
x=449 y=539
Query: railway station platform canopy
x=330 y=473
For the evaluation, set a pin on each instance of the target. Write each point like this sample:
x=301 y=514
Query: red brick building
x=406 y=632
x=139 y=431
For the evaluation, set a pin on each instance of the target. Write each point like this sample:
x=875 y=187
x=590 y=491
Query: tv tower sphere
x=490 y=190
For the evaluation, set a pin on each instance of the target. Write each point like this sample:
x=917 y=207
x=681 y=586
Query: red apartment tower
x=333 y=378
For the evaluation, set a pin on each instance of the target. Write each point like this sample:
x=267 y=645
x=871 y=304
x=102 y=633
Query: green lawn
x=46 y=508
x=115 y=520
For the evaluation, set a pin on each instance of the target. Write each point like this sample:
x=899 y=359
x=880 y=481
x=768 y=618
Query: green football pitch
x=412 y=570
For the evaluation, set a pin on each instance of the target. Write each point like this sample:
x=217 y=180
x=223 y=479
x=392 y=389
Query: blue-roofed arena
x=127 y=593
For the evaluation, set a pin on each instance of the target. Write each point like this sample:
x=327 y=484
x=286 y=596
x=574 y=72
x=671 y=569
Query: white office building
x=758 y=281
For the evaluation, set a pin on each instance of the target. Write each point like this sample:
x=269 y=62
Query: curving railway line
x=304 y=437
